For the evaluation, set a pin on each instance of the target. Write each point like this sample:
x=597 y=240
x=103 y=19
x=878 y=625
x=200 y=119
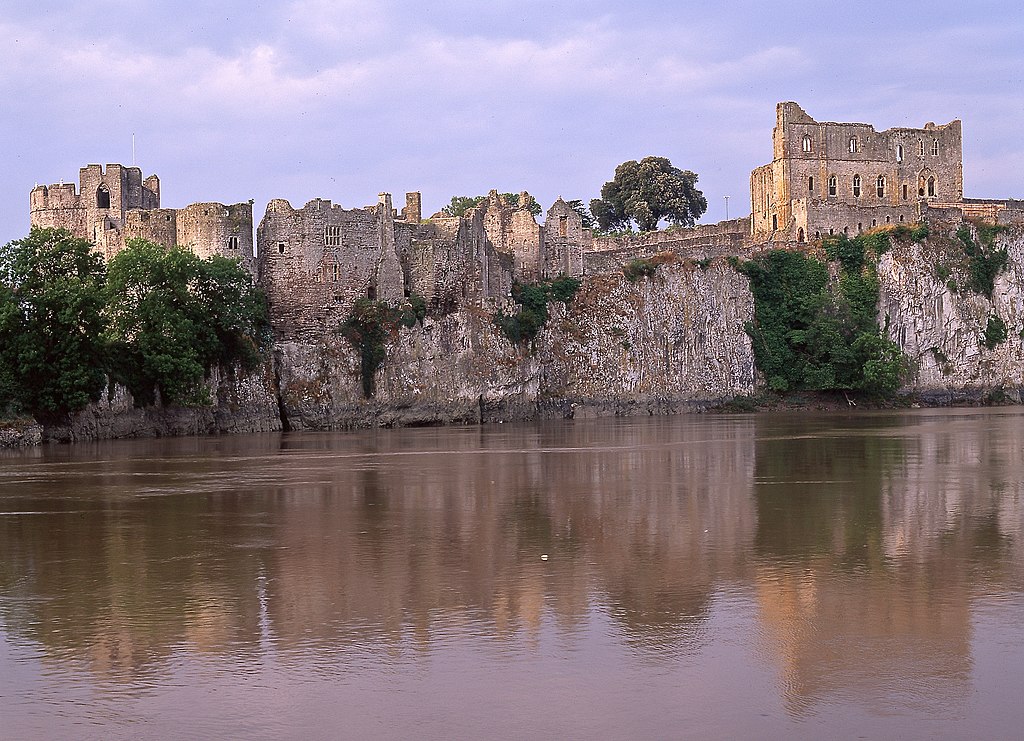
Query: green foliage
x=810 y=334
x=533 y=300
x=581 y=208
x=646 y=192
x=371 y=324
x=51 y=324
x=173 y=316
x=983 y=262
x=995 y=332
x=639 y=268
x=459 y=205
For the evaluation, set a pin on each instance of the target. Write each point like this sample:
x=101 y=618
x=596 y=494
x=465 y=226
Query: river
x=764 y=576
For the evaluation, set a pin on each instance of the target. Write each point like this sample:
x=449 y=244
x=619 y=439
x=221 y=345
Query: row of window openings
x=927 y=188
x=817 y=235
x=854 y=147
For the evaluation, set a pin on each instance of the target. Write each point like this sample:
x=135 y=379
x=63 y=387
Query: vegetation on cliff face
x=981 y=261
x=371 y=324
x=645 y=193
x=533 y=300
x=459 y=205
x=811 y=333
x=154 y=319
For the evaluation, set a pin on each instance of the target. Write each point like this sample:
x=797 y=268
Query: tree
x=173 y=316
x=578 y=206
x=646 y=192
x=459 y=205
x=51 y=324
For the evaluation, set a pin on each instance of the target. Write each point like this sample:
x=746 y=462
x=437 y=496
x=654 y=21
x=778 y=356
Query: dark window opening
x=371 y=292
x=833 y=185
x=810 y=184
x=800 y=235
x=102 y=197
x=931 y=186
x=856 y=186
x=775 y=223
x=280 y=248
x=880 y=186
x=232 y=243
x=904 y=191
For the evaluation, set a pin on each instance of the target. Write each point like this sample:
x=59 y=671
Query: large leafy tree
x=173 y=316
x=646 y=192
x=51 y=324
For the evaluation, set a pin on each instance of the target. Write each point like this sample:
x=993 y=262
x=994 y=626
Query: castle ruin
x=314 y=262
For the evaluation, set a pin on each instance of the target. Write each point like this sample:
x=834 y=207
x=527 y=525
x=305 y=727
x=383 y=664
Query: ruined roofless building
x=830 y=178
x=115 y=204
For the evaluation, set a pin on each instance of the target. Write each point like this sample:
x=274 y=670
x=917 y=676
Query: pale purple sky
x=342 y=99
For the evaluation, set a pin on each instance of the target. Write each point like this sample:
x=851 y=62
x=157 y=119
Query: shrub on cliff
x=811 y=334
x=371 y=324
x=533 y=300
x=646 y=192
x=173 y=316
x=51 y=324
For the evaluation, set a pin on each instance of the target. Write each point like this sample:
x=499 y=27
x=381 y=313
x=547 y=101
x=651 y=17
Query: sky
x=342 y=99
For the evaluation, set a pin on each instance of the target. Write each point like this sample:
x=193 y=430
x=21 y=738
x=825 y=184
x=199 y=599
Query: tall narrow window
x=833 y=185
x=921 y=143
x=931 y=186
x=807 y=143
x=232 y=243
x=856 y=186
x=810 y=184
x=904 y=191
x=775 y=223
x=853 y=145
x=935 y=147
x=800 y=234
x=280 y=248
x=102 y=197
x=880 y=186
x=563 y=226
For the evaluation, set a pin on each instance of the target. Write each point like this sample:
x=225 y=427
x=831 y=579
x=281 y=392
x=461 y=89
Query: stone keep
x=116 y=204
x=830 y=178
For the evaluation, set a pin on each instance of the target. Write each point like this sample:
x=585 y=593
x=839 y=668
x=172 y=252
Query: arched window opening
x=833 y=185
x=807 y=143
x=810 y=184
x=853 y=145
x=800 y=235
x=102 y=197
x=921 y=144
x=880 y=186
x=901 y=217
x=931 y=186
x=371 y=292
x=899 y=152
x=874 y=223
x=935 y=147
x=856 y=186
x=280 y=248
x=886 y=219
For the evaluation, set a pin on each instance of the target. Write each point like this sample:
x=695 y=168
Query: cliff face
x=666 y=344
x=660 y=345
x=942 y=330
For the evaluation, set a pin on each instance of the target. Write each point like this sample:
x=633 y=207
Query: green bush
x=639 y=268
x=533 y=299
x=995 y=332
x=810 y=334
x=983 y=262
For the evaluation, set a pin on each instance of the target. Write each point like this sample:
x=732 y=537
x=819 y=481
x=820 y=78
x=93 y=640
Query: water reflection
x=857 y=545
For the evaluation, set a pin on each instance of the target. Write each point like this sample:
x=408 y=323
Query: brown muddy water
x=774 y=576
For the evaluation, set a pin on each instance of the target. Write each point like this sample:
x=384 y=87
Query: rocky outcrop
x=942 y=330
x=671 y=343
x=20 y=433
x=240 y=403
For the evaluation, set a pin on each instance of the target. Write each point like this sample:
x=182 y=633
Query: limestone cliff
x=665 y=344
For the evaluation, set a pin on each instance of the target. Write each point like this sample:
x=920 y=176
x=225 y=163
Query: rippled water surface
x=787 y=576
